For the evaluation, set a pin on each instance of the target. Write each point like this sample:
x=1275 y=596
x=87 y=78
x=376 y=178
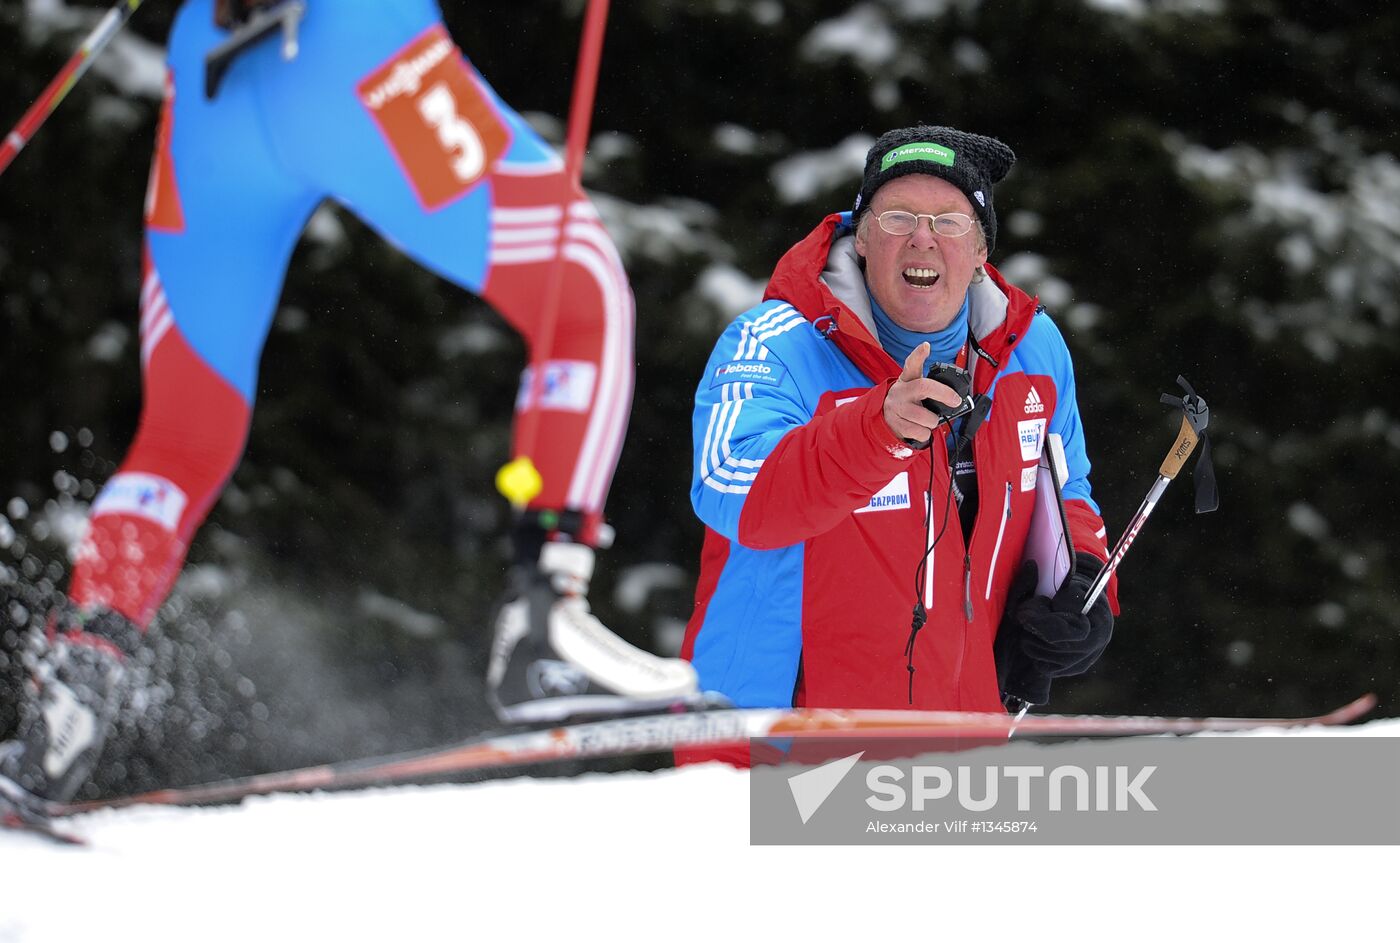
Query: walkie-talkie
x=960 y=381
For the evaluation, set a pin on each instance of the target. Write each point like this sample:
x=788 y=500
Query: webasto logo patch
x=919 y=150
x=749 y=371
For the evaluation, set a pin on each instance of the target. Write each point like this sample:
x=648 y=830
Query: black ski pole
x=1195 y=417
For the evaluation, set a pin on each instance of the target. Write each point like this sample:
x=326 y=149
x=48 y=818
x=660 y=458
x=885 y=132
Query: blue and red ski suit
x=815 y=511
x=381 y=112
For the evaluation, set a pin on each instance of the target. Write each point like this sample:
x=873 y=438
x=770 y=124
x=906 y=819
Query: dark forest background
x=1205 y=187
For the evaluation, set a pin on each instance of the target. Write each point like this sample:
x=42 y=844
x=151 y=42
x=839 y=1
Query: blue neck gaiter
x=898 y=341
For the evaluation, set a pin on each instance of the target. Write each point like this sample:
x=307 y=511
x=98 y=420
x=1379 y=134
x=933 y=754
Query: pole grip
x=1185 y=444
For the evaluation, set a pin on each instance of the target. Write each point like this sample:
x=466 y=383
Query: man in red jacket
x=863 y=549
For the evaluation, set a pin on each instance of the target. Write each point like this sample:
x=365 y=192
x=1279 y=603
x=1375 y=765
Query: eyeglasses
x=900 y=223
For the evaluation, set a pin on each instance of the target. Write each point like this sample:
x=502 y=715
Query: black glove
x=1042 y=639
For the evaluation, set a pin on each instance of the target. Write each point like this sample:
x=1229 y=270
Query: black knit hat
x=970 y=162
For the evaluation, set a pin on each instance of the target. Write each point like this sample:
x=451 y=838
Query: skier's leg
x=223 y=214
x=410 y=137
x=222 y=217
x=191 y=433
x=586 y=390
x=581 y=415
x=425 y=153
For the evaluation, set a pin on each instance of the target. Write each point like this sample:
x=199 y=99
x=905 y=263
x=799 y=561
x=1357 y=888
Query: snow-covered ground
x=640 y=855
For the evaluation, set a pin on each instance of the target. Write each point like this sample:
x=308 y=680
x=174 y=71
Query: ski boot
x=553 y=659
x=77 y=681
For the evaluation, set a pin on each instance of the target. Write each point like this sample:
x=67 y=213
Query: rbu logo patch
x=749 y=371
x=1032 y=433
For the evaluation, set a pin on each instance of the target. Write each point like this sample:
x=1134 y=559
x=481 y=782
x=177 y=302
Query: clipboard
x=1047 y=542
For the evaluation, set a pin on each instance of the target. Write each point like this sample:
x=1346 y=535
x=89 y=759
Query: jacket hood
x=821 y=277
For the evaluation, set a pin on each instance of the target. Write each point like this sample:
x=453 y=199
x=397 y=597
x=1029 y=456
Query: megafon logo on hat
x=919 y=150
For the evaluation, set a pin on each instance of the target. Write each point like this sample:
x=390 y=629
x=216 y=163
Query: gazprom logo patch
x=893 y=497
x=749 y=371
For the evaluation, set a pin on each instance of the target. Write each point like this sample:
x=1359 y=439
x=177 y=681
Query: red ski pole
x=67 y=77
x=519 y=480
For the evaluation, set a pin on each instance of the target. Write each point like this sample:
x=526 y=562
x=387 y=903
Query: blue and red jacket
x=815 y=511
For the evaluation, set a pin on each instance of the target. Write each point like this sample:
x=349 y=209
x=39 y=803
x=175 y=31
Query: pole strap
x=1194 y=420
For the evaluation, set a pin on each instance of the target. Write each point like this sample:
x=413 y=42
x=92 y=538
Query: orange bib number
x=440 y=125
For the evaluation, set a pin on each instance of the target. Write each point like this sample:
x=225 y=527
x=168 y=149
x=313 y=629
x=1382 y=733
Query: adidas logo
x=1033 y=403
